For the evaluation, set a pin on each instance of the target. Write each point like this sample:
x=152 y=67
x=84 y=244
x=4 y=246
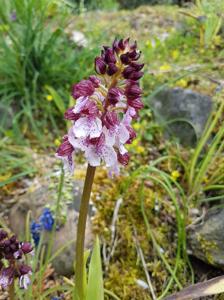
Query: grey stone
x=183 y=113
x=34 y=201
x=206 y=240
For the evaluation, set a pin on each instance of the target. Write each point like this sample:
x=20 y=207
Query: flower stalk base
x=80 y=241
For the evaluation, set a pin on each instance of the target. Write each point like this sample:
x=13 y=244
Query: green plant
x=36 y=52
x=209 y=18
x=15 y=162
x=134 y=3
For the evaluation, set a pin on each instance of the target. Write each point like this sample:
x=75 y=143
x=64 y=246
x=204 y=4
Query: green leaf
x=95 y=289
x=57 y=99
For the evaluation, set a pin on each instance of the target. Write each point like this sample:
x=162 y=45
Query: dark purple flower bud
x=115 y=95
x=65 y=149
x=109 y=56
x=128 y=71
x=70 y=115
x=121 y=44
x=123 y=158
x=132 y=134
x=26 y=247
x=100 y=65
x=110 y=119
x=3 y=235
x=14 y=247
x=116 y=47
x=13 y=239
x=83 y=88
x=24 y=269
x=136 y=66
x=95 y=81
x=112 y=69
x=125 y=58
x=136 y=75
x=134 y=55
x=136 y=103
x=133 y=91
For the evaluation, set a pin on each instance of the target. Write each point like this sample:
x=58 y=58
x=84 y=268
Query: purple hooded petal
x=123 y=158
x=100 y=65
x=65 y=149
x=112 y=69
x=115 y=95
x=82 y=89
x=109 y=56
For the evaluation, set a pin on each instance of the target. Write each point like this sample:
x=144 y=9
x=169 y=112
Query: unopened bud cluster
x=12 y=253
x=104 y=109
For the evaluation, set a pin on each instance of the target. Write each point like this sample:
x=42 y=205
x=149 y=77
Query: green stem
x=12 y=291
x=83 y=212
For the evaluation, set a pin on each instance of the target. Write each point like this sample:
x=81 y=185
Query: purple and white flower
x=104 y=108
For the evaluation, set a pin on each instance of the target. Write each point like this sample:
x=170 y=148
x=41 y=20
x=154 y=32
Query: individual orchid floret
x=83 y=88
x=13 y=252
x=105 y=105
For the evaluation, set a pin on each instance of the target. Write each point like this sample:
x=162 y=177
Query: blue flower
x=35 y=229
x=47 y=219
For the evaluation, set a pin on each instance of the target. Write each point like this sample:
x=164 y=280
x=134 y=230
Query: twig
x=113 y=231
x=140 y=253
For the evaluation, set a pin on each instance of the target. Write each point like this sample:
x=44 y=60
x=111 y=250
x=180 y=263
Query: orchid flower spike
x=104 y=108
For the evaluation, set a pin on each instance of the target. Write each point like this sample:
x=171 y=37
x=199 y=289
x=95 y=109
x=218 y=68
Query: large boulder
x=206 y=240
x=34 y=201
x=183 y=113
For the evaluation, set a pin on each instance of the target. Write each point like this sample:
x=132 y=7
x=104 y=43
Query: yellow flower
x=175 y=174
x=165 y=68
x=49 y=98
x=175 y=54
x=139 y=149
x=137 y=126
x=182 y=83
x=57 y=142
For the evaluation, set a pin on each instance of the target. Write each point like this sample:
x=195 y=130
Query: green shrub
x=36 y=52
x=134 y=3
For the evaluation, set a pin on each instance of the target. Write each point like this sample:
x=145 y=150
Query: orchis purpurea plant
x=12 y=266
x=104 y=108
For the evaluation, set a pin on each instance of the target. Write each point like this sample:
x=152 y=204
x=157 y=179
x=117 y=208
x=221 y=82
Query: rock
x=206 y=241
x=183 y=113
x=79 y=38
x=35 y=201
x=64 y=263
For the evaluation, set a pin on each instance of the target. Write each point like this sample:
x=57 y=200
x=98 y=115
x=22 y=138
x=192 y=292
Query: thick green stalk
x=83 y=212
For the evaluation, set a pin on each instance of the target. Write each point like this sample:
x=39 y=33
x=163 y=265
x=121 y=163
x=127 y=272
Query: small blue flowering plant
x=45 y=223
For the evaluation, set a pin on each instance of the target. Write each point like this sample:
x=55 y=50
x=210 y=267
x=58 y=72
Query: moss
x=207 y=247
x=125 y=266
